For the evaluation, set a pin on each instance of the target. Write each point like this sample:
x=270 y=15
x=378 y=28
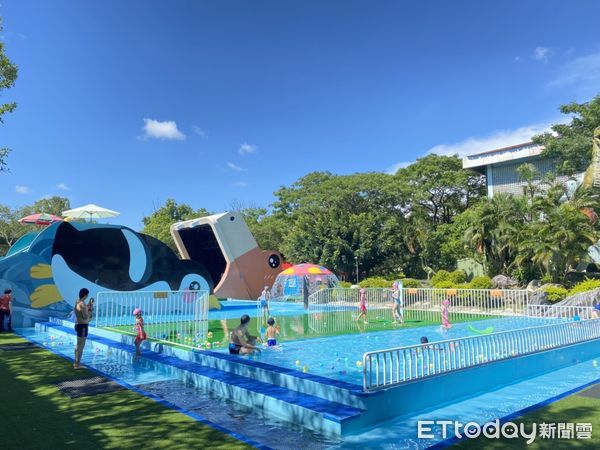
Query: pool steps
x=316 y=413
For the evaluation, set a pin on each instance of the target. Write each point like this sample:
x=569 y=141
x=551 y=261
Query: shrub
x=481 y=282
x=411 y=283
x=458 y=276
x=446 y=285
x=375 y=282
x=443 y=277
x=345 y=284
x=584 y=286
x=556 y=293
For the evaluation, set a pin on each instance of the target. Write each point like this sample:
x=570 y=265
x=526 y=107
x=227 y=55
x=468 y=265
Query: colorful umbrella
x=40 y=219
x=306 y=269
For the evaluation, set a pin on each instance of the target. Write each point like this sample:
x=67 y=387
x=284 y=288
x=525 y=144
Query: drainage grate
x=83 y=387
x=593 y=392
x=17 y=346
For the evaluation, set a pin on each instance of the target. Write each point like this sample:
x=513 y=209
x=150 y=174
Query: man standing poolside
x=82 y=319
x=6 y=309
x=240 y=341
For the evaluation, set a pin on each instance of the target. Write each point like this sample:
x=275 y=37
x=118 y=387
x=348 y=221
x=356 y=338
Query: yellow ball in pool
x=297 y=362
x=305 y=369
x=359 y=363
x=595 y=363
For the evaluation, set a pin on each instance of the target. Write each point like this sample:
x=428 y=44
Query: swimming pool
x=337 y=356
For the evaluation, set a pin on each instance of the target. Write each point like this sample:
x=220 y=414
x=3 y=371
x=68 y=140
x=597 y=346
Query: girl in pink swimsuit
x=140 y=333
x=445 y=313
x=362 y=305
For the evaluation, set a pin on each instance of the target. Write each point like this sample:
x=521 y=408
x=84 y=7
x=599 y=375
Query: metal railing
x=564 y=312
x=333 y=309
x=176 y=317
x=391 y=367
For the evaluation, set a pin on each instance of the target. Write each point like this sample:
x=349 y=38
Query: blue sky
x=128 y=103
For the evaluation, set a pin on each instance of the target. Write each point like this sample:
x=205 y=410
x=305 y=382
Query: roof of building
x=504 y=154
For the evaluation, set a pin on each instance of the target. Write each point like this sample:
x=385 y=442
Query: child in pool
x=362 y=305
x=140 y=333
x=272 y=332
x=445 y=315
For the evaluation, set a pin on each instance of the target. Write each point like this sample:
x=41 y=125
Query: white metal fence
x=386 y=368
x=333 y=309
x=177 y=317
x=564 y=312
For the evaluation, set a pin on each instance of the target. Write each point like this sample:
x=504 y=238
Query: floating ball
x=208 y=345
x=305 y=369
x=359 y=363
x=297 y=362
x=595 y=363
x=209 y=335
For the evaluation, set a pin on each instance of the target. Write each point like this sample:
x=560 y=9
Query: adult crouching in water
x=82 y=318
x=240 y=341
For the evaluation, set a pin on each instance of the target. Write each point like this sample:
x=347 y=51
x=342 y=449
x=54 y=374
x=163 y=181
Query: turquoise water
x=337 y=356
x=100 y=357
x=234 y=309
x=401 y=432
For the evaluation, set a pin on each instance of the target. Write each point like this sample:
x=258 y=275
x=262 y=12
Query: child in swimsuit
x=272 y=332
x=362 y=305
x=445 y=315
x=140 y=333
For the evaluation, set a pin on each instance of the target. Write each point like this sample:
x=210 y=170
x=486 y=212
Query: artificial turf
x=36 y=415
x=573 y=409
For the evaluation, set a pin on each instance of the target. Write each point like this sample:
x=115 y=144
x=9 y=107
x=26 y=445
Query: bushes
x=444 y=279
x=411 y=283
x=584 y=286
x=556 y=293
x=345 y=284
x=375 y=282
x=481 y=282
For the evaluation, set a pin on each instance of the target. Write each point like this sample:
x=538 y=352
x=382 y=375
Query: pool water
x=337 y=356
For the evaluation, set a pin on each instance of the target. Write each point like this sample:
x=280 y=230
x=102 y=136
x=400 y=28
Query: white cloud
x=241 y=184
x=395 y=167
x=199 y=131
x=161 y=130
x=63 y=187
x=22 y=189
x=235 y=167
x=541 y=53
x=246 y=149
x=497 y=139
x=580 y=72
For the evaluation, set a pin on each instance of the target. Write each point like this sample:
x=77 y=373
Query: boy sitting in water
x=272 y=332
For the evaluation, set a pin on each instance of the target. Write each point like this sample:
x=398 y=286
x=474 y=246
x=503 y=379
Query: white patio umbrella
x=90 y=211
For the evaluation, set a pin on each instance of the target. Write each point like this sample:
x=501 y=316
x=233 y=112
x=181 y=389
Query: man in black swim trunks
x=82 y=319
x=240 y=340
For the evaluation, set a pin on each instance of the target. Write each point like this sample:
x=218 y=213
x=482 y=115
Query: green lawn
x=35 y=415
x=574 y=409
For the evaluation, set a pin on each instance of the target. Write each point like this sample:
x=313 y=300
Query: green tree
x=8 y=76
x=440 y=187
x=571 y=144
x=159 y=222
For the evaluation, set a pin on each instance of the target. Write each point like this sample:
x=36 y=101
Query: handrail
x=394 y=366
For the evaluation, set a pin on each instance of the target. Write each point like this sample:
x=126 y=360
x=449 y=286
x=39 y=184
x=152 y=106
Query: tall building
x=500 y=168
